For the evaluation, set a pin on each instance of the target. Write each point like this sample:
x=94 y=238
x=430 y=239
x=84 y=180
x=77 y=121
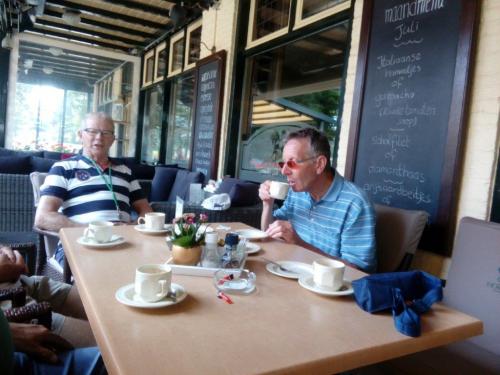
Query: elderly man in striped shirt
x=322 y=211
x=89 y=186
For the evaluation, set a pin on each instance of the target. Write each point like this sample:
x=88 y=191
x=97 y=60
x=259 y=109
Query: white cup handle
x=87 y=232
x=141 y=220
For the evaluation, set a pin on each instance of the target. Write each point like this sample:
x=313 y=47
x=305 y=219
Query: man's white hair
x=103 y=116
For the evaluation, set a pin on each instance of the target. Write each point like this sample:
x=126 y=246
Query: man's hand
x=264 y=193
x=11 y=265
x=38 y=341
x=284 y=230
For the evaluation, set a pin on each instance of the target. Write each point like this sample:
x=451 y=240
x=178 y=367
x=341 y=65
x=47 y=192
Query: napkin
x=217 y=202
x=407 y=294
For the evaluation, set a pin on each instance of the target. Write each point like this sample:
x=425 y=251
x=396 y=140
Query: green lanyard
x=109 y=184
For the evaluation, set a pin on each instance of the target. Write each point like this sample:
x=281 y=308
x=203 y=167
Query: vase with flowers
x=187 y=239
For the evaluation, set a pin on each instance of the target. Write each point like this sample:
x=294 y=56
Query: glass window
x=180 y=126
x=268 y=19
x=287 y=91
x=151 y=128
x=309 y=11
x=148 y=65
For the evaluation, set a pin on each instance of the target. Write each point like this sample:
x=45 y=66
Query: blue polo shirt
x=341 y=223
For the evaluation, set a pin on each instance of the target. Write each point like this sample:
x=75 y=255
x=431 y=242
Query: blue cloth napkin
x=407 y=294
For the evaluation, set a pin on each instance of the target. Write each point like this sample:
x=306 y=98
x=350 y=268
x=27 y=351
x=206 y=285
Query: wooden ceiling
x=124 y=25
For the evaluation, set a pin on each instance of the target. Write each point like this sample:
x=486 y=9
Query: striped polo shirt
x=341 y=223
x=84 y=193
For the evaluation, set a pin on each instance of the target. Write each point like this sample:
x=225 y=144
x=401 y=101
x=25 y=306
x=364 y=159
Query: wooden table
x=280 y=328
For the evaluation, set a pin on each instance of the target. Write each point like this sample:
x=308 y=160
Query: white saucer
x=142 y=228
x=252 y=248
x=297 y=268
x=306 y=281
x=126 y=295
x=89 y=242
x=251 y=234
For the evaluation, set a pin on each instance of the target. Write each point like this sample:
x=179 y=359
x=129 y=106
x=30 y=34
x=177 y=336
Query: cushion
x=141 y=171
x=15 y=164
x=244 y=194
x=182 y=181
x=227 y=184
x=54 y=155
x=163 y=181
x=41 y=164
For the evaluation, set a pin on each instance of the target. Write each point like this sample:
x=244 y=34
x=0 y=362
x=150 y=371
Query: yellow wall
x=482 y=125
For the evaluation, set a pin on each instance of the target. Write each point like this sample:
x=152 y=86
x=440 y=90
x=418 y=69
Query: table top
x=280 y=328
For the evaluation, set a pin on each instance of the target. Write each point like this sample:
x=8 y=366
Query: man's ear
x=321 y=163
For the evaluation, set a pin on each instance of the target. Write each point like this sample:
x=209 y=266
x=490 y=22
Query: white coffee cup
x=153 y=220
x=99 y=231
x=152 y=281
x=328 y=273
x=278 y=190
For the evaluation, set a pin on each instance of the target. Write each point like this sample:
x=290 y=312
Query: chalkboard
x=408 y=114
x=208 y=110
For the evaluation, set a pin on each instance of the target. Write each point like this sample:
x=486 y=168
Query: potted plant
x=187 y=238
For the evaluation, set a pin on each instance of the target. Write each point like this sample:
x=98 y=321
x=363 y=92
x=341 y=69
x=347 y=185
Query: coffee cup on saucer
x=328 y=273
x=152 y=282
x=153 y=220
x=278 y=190
x=99 y=231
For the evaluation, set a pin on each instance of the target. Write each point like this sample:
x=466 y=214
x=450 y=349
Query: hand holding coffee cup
x=152 y=282
x=99 y=231
x=328 y=273
x=153 y=220
x=278 y=190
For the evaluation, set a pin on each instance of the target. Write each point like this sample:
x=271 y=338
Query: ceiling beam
x=79 y=39
x=104 y=25
x=70 y=28
x=140 y=6
x=106 y=13
x=64 y=60
x=69 y=66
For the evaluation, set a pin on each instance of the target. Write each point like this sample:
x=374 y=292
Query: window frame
x=190 y=29
x=251 y=27
x=148 y=56
x=157 y=76
x=178 y=37
x=301 y=22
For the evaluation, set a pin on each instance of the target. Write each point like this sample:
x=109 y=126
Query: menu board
x=409 y=117
x=207 y=121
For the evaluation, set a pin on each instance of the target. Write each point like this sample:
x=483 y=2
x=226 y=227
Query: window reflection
x=151 y=130
x=313 y=7
x=181 y=121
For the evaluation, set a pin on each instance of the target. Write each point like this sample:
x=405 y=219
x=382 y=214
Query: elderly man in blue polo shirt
x=89 y=186
x=322 y=211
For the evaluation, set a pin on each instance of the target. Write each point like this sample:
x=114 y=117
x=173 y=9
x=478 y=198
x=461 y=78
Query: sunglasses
x=294 y=164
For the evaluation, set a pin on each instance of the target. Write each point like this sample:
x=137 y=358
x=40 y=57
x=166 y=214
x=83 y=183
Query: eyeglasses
x=94 y=132
x=294 y=164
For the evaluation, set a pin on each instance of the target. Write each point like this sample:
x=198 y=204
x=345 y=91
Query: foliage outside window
x=193 y=44
x=47 y=118
x=175 y=61
x=180 y=125
x=161 y=58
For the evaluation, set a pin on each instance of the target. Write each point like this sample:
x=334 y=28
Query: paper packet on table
x=217 y=202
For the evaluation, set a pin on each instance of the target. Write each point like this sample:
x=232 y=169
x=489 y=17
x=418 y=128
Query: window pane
x=151 y=131
x=76 y=108
x=180 y=130
x=289 y=92
x=270 y=16
x=312 y=7
x=178 y=53
x=194 y=45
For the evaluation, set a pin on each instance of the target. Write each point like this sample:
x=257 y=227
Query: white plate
x=142 y=228
x=306 y=281
x=126 y=295
x=251 y=234
x=252 y=248
x=115 y=241
x=297 y=268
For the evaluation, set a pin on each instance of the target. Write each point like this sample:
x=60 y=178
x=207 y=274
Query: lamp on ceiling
x=71 y=17
x=178 y=14
x=55 y=51
x=28 y=63
x=47 y=70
